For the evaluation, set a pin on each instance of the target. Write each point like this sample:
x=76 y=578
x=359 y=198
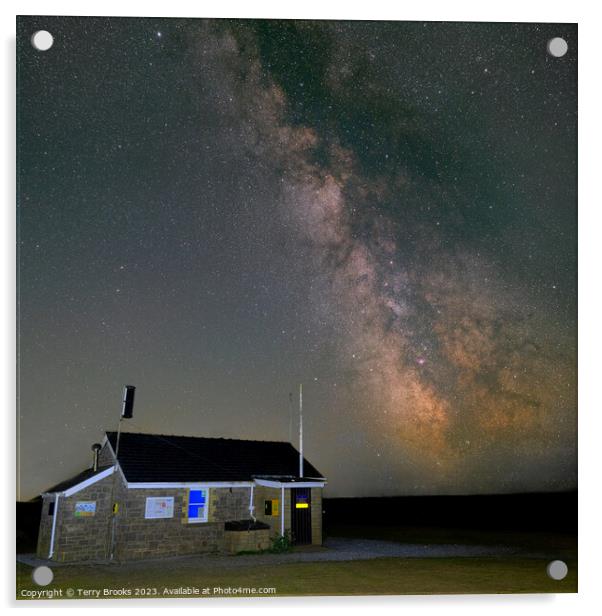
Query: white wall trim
x=88 y=482
x=160 y=485
x=289 y=484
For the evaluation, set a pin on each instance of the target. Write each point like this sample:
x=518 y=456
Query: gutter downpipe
x=52 y=532
x=251 y=506
x=282 y=510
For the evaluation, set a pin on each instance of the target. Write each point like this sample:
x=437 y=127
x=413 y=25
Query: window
x=197 y=505
x=51 y=508
x=302 y=498
x=271 y=507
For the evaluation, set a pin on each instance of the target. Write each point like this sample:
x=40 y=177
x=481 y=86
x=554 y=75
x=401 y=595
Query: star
x=267 y=182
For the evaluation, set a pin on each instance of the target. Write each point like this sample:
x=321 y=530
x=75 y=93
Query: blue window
x=197 y=505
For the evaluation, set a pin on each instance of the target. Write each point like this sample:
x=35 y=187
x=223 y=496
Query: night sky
x=218 y=210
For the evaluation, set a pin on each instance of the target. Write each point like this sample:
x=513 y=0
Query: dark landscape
x=528 y=530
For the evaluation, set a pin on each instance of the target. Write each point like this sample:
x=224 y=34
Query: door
x=301 y=515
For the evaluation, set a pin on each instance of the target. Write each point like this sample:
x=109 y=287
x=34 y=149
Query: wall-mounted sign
x=271 y=507
x=85 y=509
x=159 y=507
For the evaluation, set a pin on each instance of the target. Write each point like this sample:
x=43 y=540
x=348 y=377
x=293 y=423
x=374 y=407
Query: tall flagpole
x=301 y=430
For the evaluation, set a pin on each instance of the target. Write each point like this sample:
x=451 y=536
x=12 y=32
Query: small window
x=51 y=508
x=271 y=507
x=197 y=505
x=302 y=498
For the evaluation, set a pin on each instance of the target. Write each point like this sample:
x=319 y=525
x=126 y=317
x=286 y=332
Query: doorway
x=301 y=515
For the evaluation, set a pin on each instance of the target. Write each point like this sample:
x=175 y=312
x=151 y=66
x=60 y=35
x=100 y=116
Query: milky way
x=385 y=212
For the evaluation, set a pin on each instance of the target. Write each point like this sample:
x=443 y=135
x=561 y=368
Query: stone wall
x=273 y=521
x=262 y=494
x=138 y=537
x=246 y=541
x=316 y=516
x=135 y=537
x=78 y=538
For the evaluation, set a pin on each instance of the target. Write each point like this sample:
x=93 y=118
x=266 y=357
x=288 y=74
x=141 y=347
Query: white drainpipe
x=56 y=510
x=282 y=510
x=251 y=506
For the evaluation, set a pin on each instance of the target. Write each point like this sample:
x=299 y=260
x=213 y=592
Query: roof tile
x=166 y=458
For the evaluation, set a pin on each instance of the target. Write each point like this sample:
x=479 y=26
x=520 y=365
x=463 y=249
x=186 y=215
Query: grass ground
x=386 y=576
x=383 y=576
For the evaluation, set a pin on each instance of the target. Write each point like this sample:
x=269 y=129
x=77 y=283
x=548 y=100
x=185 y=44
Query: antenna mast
x=291 y=411
x=127 y=412
x=301 y=430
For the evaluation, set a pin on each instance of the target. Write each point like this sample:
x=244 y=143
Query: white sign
x=85 y=509
x=159 y=507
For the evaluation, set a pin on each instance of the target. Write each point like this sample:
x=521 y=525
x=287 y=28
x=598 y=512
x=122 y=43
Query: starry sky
x=218 y=210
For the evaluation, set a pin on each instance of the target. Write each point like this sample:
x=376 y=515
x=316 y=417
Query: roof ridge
x=211 y=438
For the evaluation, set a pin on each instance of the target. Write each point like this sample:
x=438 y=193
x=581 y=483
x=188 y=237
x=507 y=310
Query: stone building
x=177 y=495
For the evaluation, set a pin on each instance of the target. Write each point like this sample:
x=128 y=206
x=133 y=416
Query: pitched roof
x=165 y=458
x=79 y=478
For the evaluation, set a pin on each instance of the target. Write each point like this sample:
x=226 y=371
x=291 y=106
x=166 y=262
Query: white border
x=289 y=484
x=590 y=253
x=78 y=487
x=191 y=485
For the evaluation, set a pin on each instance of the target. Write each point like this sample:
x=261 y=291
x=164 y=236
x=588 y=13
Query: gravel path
x=334 y=549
